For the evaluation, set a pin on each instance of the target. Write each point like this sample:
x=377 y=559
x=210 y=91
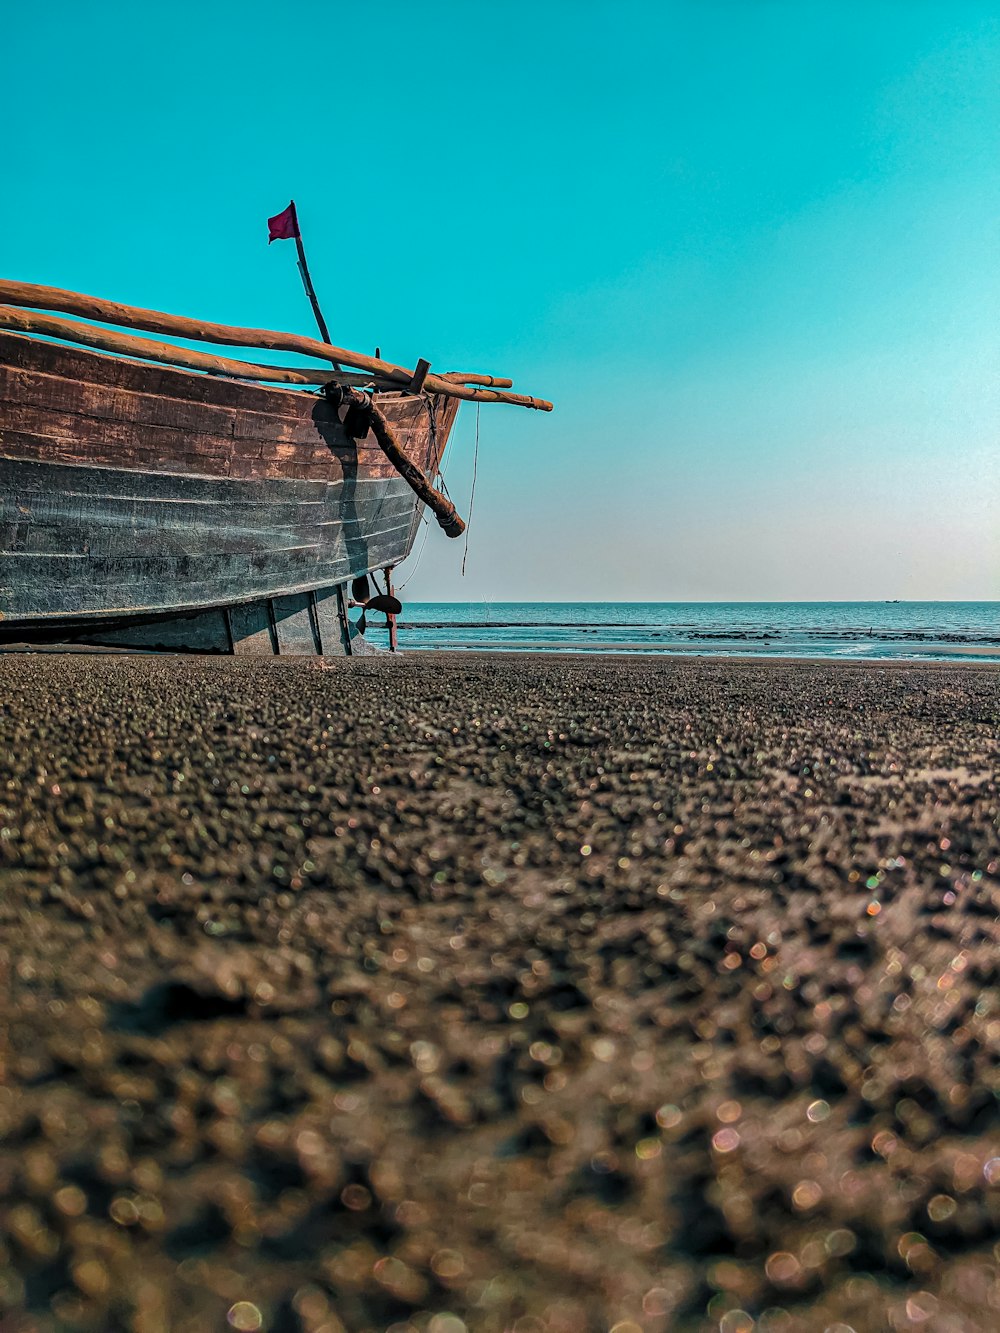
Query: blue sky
x=750 y=250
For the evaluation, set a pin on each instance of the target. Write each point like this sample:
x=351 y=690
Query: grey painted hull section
x=93 y=542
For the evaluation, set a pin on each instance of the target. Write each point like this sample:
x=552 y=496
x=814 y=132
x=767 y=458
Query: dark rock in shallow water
x=499 y=991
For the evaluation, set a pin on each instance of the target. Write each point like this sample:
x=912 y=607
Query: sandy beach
x=473 y=994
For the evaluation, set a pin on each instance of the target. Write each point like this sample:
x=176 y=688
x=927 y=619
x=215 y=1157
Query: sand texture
x=498 y=993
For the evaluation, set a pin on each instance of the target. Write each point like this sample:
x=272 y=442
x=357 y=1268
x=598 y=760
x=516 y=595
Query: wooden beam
x=29 y=294
x=419 y=376
x=144 y=349
x=442 y=508
x=390 y=618
x=126 y=344
x=489 y=381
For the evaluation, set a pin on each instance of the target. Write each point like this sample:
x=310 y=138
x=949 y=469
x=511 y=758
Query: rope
x=416 y=564
x=432 y=419
x=438 y=477
x=472 y=497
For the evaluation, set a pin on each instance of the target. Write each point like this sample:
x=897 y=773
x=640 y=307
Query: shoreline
x=972 y=656
x=686 y=653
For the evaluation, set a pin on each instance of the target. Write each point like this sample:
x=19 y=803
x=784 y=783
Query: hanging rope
x=416 y=564
x=438 y=477
x=472 y=496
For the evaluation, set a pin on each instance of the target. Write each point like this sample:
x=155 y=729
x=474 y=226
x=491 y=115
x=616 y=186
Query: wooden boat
x=156 y=496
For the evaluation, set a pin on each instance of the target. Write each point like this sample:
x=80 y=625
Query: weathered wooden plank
x=119 y=543
x=205 y=632
x=95 y=437
x=303 y=464
x=49 y=405
x=58 y=488
x=106 y=434
x=170 y=384
x=138 y=460
x=331 y=633
x=45 y=586
x=56 y=393
x=248 y=629
x=260 y=413
x=251 y=629
x=313 y=426
x=14 y=535
x=282 y=546
x=293 y=621
x=171 y=381
x=120 y=539
x=64 y=438
x=34 y=565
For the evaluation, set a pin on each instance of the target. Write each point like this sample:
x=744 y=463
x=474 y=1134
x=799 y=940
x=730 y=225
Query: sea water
x=865 y=631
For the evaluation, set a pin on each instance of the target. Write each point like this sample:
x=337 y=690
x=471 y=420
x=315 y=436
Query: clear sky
x=750 y=250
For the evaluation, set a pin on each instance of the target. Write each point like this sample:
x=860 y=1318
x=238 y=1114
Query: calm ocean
x=865 y=631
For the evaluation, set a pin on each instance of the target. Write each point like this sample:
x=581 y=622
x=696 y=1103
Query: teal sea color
x=858 y=631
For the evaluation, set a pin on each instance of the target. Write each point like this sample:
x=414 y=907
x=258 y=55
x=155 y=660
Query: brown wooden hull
x=133 y=493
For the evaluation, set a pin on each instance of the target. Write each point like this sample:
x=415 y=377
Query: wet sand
x=551 y=995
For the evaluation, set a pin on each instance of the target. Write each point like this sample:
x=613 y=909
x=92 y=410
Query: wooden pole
x=307 y=282
x=416 y=385
x=488 y=381
x=126 y=344
x=442 y=508
x=389 y=617
x=345 y=620
x=155 y=321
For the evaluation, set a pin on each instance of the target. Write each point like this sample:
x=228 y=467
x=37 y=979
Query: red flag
x=283 y=226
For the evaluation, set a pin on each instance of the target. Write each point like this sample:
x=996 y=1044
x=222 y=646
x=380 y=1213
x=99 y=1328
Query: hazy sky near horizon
x=749 y=249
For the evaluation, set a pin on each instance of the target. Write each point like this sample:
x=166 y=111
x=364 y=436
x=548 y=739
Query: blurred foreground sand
x=489 y=993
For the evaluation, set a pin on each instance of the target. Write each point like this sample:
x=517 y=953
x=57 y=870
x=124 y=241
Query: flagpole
x=324 y=333
x=307 y=283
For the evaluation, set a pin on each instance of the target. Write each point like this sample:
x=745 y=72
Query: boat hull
x=132 y=494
